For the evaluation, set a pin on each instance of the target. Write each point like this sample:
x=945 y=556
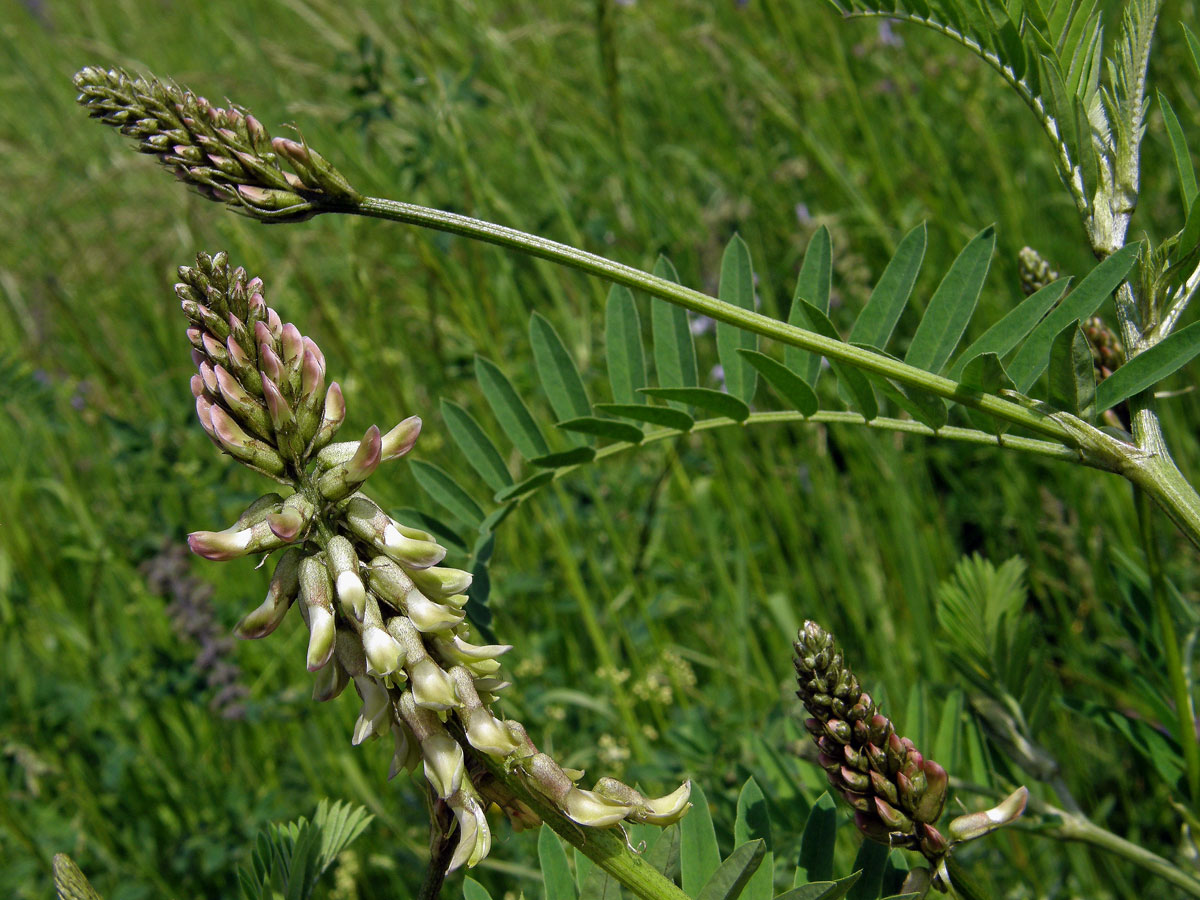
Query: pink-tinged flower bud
x=312 y=374
x=274 y=325
x=214 y=348
x=242 y=366
x=334 y=413
x=291 y=342
x=440 y=583
x=401 y=439
x=270 y=364
x=241 y=446
x=475 y=837
x=330 y=682
x=428 y=616
x=281 y=415
x=204 y=414
x=223 y=545
x=282 y=592
x=344 y=478
x=384 y=653
x=310 y=346
x=976 y=825
x=209 y=377
x=197 y=385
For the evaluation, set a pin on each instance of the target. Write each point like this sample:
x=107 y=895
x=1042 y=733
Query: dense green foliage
x=652 y=597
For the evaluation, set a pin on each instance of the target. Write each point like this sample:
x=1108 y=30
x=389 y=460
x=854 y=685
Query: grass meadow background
x=137 y=737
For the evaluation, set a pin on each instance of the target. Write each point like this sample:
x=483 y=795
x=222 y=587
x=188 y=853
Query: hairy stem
x=604 y=846
x=1185 y=716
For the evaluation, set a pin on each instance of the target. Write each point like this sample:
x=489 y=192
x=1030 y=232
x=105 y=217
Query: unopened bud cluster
x=1108 y=354
x=896 y=793
x=380 y=610
x=1035 y=273
x=225 y=154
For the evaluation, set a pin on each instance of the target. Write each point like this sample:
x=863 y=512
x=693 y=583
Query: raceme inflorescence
x=381 y=612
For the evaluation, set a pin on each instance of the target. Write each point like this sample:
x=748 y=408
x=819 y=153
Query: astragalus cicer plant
x=1046 y=379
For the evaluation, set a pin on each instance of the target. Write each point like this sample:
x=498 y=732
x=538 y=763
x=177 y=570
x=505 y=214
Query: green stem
x=719 y=310
x=604 y=846
x=1081 y=829
x=1185 y=717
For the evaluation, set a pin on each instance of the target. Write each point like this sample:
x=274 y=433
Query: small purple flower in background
x=700 y=324
x=195 y=621
x=803 y=216
x=717 y=374
x=887 y=37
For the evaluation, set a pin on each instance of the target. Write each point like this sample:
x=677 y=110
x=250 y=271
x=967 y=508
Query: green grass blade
x=877 y=321
x=674 y=348
x=735 y=873
x=952 y=305
x=559 y=376
x=556 y=872
x=813 y=285
x=623 y=343
x=816 y=842
x=1189 y=236
x=1149 y=368
x=699 y=857
x=822 y=890
x=1179 y=147
x=1072 y=373
x=510 y=410
x=1014 y=327
x=528 y=486
x=787 y=384
x=655 y=415
x=481 y=453
x=717 y=402
x=1193 y=47
x=605 y=428
x=446 y=492
x=1093 y=290
x=737 y=287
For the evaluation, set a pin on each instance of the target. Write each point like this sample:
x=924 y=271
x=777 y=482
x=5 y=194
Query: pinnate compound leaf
x=878 y=318
x=1093 y=290
x=856 y=383
x=339 y=824
x=556 y=871
x=1072 y=373
x=510 y=410
x=928 y=409
x=733 y=875
x=481 y=453
x=952 y=304
x=559 y=376
x=1179 y=147
x=816 y=842
x=623 y=340
x=822 y=890
x=985 y=373
x=717 y=402
x=1149 y=367
x=573 y=457
x=655 y=415
x=674 y=348
x=698 y=853
x=1014 y=327
x=786 y=383
x=605 y=428
x=447 y=492
x=813 y=285
x=736 y=287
